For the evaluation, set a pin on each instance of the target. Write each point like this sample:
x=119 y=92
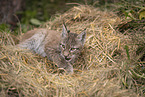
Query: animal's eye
x=63 y=46
x=73 y=49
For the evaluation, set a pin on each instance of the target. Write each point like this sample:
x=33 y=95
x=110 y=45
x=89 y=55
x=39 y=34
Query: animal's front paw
x=69 y=69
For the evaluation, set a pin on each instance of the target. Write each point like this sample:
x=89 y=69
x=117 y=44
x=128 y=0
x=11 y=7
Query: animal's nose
x=66 y=53
x=67 y=58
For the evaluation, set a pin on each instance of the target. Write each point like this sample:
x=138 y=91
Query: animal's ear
x=82 y=36
x=64 y=31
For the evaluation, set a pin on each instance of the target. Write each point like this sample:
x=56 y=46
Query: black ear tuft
x=68 y=31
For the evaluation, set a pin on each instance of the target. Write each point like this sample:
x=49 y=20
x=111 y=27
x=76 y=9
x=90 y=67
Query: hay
x=97 y=73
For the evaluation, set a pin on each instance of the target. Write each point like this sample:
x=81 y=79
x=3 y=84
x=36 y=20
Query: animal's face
x=71 y=44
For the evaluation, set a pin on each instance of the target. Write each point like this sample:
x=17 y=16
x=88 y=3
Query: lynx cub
x=61 y=48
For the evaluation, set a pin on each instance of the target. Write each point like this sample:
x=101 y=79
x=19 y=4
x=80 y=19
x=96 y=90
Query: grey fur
x=61 y=48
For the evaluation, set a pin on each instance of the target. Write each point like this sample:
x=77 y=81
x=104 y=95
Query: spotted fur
x=61 y=48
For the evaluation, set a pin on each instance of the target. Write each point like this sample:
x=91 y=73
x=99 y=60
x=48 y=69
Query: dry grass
x=99 y=73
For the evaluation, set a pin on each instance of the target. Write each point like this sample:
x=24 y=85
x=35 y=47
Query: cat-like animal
x=61 y=48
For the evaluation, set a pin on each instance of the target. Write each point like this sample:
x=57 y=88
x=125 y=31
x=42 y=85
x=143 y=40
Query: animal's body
x=61 y=48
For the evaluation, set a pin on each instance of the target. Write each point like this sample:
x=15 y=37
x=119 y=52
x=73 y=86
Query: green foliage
x=142 y=14
x=127 y=52
x=131 y=8
x=27 y=16
x=4 y=27
x=35 y=21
